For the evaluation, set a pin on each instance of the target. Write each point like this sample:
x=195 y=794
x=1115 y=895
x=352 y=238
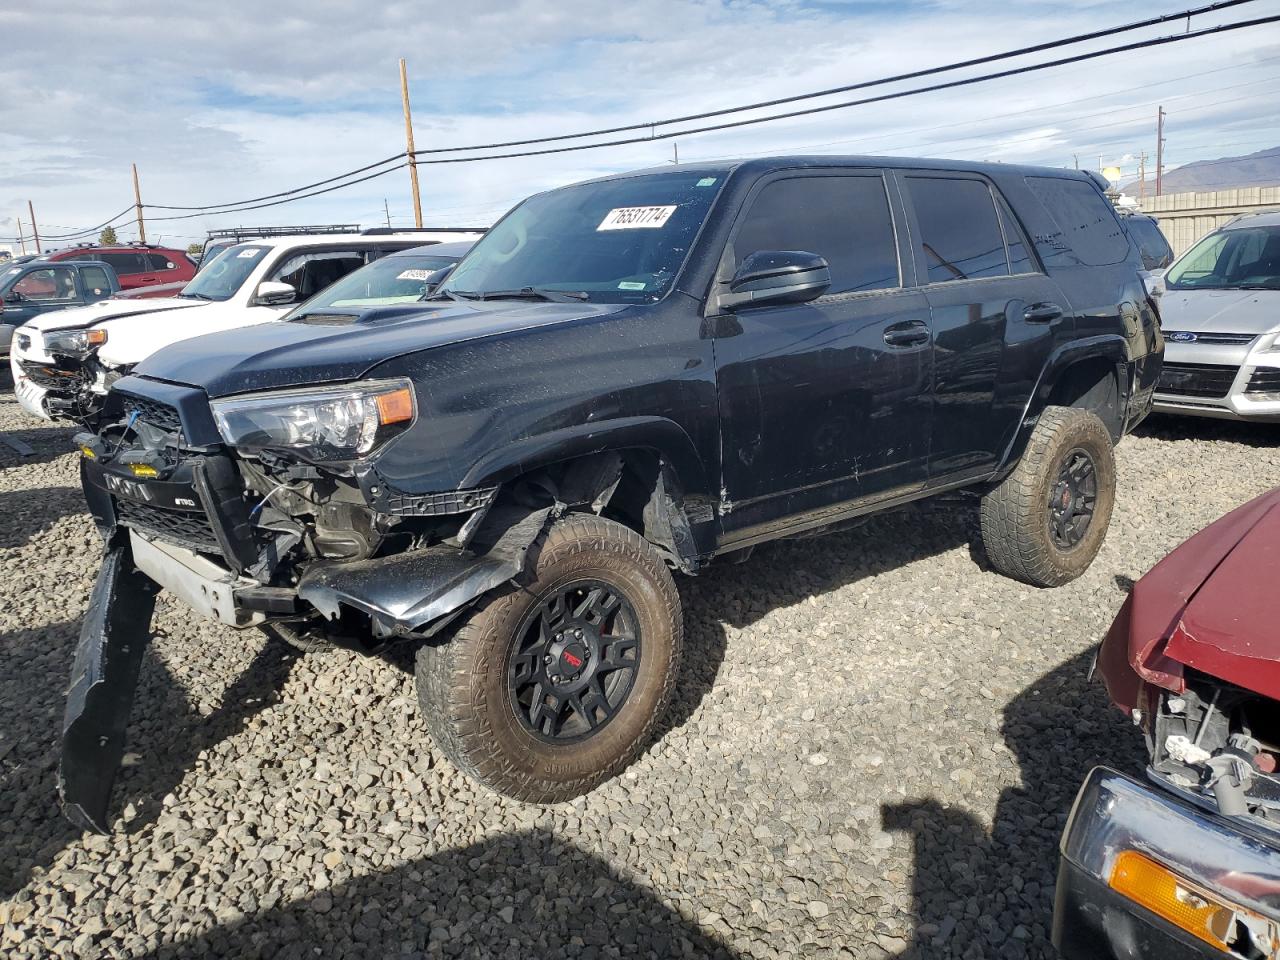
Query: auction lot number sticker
x=636 y=218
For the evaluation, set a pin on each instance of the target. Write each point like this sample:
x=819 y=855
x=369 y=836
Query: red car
x=140 y=267
x=1187 y=864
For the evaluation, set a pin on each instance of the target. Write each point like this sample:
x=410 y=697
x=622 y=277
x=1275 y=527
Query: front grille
x=1264 y=380
x=190 y=530
x=51 y=378
x=159 y=415
x=1211 y=380
x=1221 y=339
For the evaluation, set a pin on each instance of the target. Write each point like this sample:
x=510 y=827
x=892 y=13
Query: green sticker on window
x=630 y=285
x=706 y=182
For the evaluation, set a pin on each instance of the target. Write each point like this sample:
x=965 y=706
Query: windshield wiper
x=449 y=295
x=535 y=293
x=195 y=296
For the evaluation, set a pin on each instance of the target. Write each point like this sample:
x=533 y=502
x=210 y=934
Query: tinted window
x=1020 y=259
x=159 y=261
x=311 y=272
x=960 y=234
x=96 y=283
x=124 y=263
x=844 y=219
x=1086 y=218
x=1155 y=249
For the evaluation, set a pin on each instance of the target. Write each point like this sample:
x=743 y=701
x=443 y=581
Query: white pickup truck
x=64 y=363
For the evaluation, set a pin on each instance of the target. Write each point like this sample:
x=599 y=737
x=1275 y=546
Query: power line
x=915 y=91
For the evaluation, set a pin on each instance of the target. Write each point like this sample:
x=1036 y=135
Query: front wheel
x=554 y=687
x=1045 y=522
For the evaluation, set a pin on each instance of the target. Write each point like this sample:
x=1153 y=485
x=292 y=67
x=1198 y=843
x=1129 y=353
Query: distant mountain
x=1255 y=170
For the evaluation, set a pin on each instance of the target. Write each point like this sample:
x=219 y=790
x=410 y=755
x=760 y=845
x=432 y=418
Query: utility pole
x=35 y=231
x=1077 y=159
x=1142 y=175
x=386 y=210
x=675 y=149
x=1159 y=151
x=137 y=206
x=21 y=239
x=408 y=137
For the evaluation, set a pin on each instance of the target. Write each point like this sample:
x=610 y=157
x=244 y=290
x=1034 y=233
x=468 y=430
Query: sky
x=218 y=102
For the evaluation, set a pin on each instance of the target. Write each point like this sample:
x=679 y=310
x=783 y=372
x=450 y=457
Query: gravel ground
x=874 y=749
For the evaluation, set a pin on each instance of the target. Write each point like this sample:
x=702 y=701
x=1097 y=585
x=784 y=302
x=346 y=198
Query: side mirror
x=777 y=277
x=13 y=296
x=272 y=293
x=1153 y=280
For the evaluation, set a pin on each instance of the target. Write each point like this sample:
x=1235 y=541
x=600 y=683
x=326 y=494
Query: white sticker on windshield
x=630 y=285
x=636 y=218
x=706 y=182
x=414 y=274
x=251 y=252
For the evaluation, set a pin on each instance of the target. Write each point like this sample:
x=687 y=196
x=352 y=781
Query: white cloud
x=222 y=101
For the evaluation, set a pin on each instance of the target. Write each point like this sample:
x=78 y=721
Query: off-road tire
x=463 y=682
x=1016 y=531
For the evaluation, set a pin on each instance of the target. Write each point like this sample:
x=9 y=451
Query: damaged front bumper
x=1148 y=874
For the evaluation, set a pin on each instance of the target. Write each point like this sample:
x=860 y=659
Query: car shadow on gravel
x=518 y=895
x=26 y=514
x=1166 y=427
x=990 y=894
x=165 y=739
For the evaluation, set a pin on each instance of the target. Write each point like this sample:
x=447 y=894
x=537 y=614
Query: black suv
x=623 y=378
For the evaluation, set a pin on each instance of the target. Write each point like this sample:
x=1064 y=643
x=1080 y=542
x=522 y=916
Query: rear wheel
x=552 y=688
x=1046 y=521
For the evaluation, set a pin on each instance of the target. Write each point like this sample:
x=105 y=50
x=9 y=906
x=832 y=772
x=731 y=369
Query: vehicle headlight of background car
x=335 y=423
x=75 y=343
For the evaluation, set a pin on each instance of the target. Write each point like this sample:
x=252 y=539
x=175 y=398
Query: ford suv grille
x=1209 y=380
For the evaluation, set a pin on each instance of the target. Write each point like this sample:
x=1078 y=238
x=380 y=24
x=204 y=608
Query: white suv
x=64 y=363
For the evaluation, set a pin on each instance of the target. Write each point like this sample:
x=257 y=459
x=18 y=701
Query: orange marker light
x=396 y=406
x=96 y=338
x=1163 y=892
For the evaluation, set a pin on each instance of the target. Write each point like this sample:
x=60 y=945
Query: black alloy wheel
x=575 y=660
x=1073 y=499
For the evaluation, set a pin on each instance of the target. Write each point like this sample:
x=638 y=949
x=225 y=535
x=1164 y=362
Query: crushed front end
x=258 y=532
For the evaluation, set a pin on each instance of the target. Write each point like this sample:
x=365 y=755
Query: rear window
x=1155 y=249
x=1087 y=220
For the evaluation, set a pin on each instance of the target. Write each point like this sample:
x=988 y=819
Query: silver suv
x=1221 y=318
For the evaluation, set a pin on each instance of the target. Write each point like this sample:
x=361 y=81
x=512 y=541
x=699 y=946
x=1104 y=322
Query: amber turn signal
x=95 y=337
x=396 y=406
x=1163 y=892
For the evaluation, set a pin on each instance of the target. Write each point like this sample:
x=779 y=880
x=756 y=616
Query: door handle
x=1042 y=313
x=906 y=334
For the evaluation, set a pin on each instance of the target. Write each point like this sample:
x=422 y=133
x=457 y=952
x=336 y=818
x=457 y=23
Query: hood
x=298 y=353
x=135 y=337
x=1210 y=605
x=75 y=317
x=1221 y=311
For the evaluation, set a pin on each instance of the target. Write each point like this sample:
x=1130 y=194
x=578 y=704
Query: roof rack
x=386 y=231
x=247 y=232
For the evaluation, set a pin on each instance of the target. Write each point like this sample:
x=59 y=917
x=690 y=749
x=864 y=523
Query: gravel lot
x=873 y=753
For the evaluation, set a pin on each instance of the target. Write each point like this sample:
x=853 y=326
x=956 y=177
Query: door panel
x=826 y=403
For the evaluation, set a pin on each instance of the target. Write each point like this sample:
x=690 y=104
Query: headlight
x=75 y=343
x=333 y=423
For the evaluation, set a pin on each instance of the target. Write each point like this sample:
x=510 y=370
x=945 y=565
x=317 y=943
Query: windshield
x=1243 y=258
x=225 y=274
x=397 y=279
x=617 y=241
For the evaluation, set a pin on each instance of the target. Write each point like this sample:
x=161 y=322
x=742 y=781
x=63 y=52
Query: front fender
x=655 y=433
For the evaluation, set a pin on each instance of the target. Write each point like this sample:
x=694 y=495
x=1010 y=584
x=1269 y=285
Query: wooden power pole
x=1159 y=150
x=35 y=231
x=137 y=206
x=408 y=137
x=21 y=239
x=1142 y=175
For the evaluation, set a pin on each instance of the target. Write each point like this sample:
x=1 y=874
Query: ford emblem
x=1181 y=336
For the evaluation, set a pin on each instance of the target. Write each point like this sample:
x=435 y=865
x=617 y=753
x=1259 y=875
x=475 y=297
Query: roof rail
x=385 y=231
x=247 y=232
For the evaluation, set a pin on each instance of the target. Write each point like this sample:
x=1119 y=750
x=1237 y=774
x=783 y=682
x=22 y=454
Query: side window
x=1155 y=249
x=1020 y=259
x=158 y=261
x=96 y=283
x=51 y=283
x=1086 y=218
x=845 y=219
x=960 y=234
x=311 y=272
x=124 y=263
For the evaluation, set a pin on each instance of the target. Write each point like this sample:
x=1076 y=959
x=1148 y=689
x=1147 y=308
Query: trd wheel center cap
x=572 y=657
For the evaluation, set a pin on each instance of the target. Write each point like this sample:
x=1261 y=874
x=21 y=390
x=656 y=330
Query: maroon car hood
x=1213 y=604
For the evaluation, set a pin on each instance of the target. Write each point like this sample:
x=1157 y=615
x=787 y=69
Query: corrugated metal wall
x=1186 y=217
